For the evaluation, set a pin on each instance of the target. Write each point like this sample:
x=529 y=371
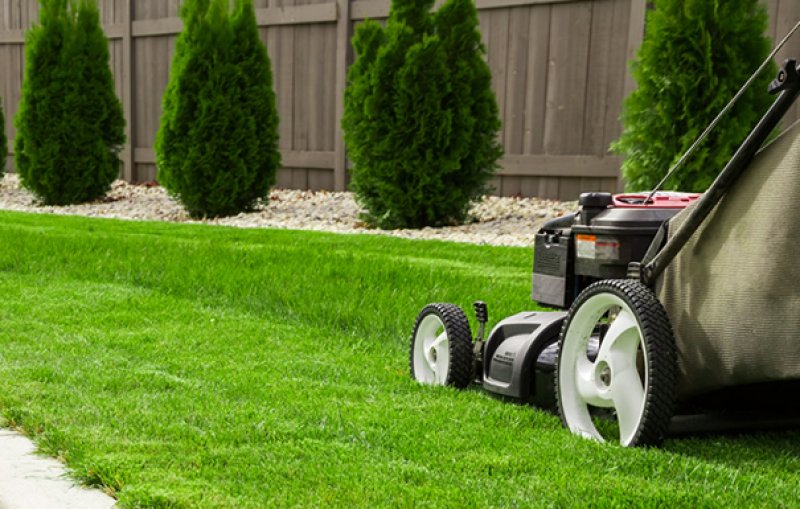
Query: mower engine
x=598 y=242
x=571 y=252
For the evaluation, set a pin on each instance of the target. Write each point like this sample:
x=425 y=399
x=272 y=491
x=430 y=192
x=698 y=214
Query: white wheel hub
x=614 y=379
x=431 y=351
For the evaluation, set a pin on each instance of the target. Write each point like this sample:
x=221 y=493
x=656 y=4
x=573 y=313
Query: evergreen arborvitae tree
x=3 y=142
x=421 y=120
x=695 y=56
x=217 y=148
x=70 y=125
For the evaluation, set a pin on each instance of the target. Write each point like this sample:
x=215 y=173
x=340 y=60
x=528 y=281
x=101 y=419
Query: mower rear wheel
x=634 y=374
x=441 y=347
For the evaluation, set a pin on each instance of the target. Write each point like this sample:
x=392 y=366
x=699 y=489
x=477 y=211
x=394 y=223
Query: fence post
x=342 y=47
x=635 y=38
x=127 y=93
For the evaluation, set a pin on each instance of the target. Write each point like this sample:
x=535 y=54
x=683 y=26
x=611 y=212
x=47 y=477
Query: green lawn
x=194 y=366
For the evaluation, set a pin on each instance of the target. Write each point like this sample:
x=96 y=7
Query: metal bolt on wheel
x=634 y=373
x=441 y=347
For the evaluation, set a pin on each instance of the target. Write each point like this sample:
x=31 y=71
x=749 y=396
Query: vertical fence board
x=530 y=186
x=285 y=86
x=772 y=11
x=549 y=188
x=320 y=82
x=341 y=40
x=536 y=79
x=559 y=73
x=302 y=81
x=498 y=51
x=569 y=188
x=566 y=91
x=142 y=77
x=601 y=69
x=125 y=16
x=6 y=83
x=14 y=17
x=514 y=115
x=616 y=88
x=16 y=72
x=512 y=186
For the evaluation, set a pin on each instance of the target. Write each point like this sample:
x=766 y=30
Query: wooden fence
x=559 y=71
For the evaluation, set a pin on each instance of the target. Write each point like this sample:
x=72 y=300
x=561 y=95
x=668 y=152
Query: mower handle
x=787 y=84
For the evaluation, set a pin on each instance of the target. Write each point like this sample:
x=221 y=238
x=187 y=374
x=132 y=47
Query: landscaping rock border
x=496 y=221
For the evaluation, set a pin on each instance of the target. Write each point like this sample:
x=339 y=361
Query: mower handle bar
x=721 y=114
x=787 y=84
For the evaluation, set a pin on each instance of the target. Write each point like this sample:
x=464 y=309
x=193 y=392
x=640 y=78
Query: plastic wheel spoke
x=628 y=395
x=427 y=348
x=622 y=334
x=437 y=343
x=587 y=389
x=441 y=367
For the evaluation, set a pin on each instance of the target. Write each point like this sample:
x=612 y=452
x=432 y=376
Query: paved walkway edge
x=28 y=481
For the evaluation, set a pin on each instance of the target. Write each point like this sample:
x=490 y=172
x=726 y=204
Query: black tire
x=655 y=360
x=453 y=322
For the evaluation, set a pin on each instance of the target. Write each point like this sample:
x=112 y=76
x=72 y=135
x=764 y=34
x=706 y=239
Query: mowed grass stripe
x=190 y=366
x=351 y=282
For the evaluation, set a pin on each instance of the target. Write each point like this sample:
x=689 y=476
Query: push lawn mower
x=678 y=304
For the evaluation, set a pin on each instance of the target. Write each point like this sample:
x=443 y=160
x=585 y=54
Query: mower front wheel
x=633 y=375
x=441 y=347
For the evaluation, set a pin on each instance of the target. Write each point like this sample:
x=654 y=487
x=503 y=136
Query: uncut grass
x=192 y=366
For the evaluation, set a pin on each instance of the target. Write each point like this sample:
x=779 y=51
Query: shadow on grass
x=768 y=450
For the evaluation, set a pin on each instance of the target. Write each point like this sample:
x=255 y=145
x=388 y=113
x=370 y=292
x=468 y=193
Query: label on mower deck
x=585 y=246
x=592 y=247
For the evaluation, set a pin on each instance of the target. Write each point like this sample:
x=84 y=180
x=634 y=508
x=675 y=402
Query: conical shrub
x=421 y=120
x=217 y=147
x=70 y=125
x=695 y=56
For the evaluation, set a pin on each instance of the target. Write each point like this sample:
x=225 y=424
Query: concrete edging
x=28 y=481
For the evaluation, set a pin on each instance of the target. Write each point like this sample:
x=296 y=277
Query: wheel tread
x=662 y=357
x=459 y=336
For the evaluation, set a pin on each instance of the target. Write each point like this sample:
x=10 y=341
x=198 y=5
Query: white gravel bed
x=496 y=221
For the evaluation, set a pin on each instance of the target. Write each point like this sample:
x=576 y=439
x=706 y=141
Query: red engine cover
x=661 y=200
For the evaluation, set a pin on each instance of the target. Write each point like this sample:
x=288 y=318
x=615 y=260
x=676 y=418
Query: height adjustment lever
x=482 y=315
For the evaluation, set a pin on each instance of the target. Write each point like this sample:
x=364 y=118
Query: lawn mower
x=674 y=311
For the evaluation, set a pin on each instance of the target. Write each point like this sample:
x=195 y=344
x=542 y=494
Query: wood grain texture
x=559 y=72
x=570 y=32
x=615 y=93
x=497 y=52
x=515 y=91
x=607 y=64
x=125 y=79
x=300 y=106
x=536 y=79
x=344 y=31
x=636 y=24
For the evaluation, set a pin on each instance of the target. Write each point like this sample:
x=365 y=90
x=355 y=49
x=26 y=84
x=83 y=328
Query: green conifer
x=695 y=56
x=70 y=125
x=217 y=148
x=421 y=120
